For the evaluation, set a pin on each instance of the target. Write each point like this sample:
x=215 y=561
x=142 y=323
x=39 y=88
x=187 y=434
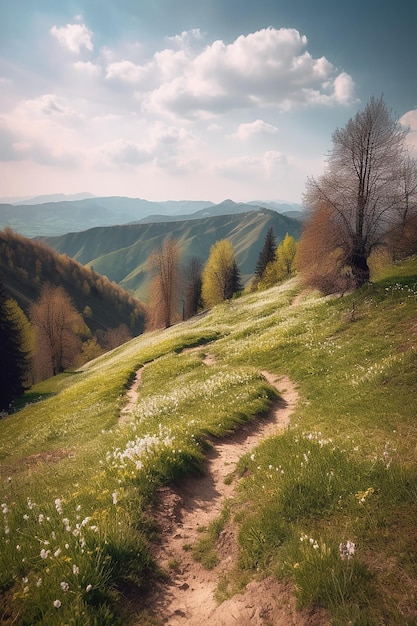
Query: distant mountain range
x=60 y=214
x=120 y=252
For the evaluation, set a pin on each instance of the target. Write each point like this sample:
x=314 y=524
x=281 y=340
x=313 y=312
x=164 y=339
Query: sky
x=192 y=99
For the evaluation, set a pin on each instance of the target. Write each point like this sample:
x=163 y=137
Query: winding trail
x=188 y=598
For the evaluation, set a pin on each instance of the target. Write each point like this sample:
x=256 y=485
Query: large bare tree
x=163 y=265
x=361 y=195
x=58 y=326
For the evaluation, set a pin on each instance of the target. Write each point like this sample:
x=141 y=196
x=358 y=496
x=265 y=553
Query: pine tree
x=13 y=349
x=233 y=282
x=267 y=254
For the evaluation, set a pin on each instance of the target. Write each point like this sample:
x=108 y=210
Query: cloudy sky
x=192 y=99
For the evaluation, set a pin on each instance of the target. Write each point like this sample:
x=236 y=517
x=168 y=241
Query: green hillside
x=328 y=507
x=120 y=252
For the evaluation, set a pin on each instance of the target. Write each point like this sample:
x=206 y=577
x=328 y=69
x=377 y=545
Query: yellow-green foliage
x=283 y=267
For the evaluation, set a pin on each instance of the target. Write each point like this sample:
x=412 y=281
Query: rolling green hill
x=120 y=252
x=326 y=508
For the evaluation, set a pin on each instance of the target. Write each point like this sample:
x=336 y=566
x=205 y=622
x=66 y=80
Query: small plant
x=329 y=576
x=205 y=550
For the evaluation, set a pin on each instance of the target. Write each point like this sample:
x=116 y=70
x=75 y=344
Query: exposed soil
x=132 y=397
x=189 y=595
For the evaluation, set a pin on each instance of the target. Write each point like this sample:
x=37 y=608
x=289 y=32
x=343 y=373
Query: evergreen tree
x=267 y=254
x=233 y=281
x=13 y=349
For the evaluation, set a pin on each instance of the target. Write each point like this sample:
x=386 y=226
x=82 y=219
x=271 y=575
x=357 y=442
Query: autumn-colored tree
x=113 y=337
x=164 y=296
x=359 y=198
x=221 y=274
x=15 y=350
x=192 y=283
x=91 y=349
x=58 y=326
x=402 y=239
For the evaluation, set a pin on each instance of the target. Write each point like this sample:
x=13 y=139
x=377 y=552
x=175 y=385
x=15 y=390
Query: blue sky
x=202 y=99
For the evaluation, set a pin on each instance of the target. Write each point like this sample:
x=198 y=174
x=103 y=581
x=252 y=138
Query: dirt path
x=188 y=598
x=132 y=397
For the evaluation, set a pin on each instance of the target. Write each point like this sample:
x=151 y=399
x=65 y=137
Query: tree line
x=178 y=292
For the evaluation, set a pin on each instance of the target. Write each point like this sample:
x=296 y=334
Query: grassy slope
x=345 y=470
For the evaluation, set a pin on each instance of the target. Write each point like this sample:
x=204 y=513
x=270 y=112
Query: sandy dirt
x=188 y=597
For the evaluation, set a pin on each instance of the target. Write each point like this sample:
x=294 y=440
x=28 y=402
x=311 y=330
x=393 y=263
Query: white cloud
x=126 y=71
x=258 y=167
x=122 y=152
x=269 y=68
x=87 y=68
x=73 y=37
x=344 y=89
x=409 y=121
x=186 y=38
x=256 y=128
x=45 y=130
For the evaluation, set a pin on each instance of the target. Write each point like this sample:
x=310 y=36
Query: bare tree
x=113 y=337
x=402 y=239
x=192 y=283
x=163 y=265
x=58 y=325
x=361 y=192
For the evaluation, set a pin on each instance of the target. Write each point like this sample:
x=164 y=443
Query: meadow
x=329 y=505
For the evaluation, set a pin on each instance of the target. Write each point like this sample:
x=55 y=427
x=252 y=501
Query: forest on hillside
x=97 y=315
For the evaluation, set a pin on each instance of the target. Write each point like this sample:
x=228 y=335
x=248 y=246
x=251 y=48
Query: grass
x=76 y=485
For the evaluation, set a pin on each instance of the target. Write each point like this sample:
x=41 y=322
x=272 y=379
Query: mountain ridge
x=56 y=218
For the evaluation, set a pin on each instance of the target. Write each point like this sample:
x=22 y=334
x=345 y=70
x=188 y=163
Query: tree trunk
x=360 y=269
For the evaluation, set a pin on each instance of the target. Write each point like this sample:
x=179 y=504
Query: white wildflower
x=347 y=550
